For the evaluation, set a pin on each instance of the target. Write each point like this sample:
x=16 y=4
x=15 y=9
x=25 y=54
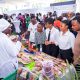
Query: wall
x=77 y=5
x=41 y=10
x=64 y=8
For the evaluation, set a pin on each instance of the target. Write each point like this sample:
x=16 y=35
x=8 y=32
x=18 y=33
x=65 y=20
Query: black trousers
x=52 y=50
x=43 y=47
x=66 y=54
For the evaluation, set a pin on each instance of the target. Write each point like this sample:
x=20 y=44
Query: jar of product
x=47 y=69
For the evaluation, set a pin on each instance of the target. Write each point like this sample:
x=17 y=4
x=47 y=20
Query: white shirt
x=8 y=56
x=66 y=41
x=32 y=28
x=53 y=35
x=40 y=17
x=17 y=25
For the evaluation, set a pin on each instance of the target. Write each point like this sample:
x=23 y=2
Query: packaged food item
x=22 y=61
x=64 y=64
x=29 y=76
x=47 y=69
x=19 y=71
x=26 y=74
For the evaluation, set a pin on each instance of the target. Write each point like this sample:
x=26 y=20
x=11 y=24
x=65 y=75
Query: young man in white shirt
x=52 y=35
x=66 y=42
x=32 y=29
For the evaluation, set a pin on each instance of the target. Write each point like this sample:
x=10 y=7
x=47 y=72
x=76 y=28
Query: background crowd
x=58 y=36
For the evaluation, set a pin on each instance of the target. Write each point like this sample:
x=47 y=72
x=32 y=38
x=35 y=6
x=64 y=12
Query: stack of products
x=37 y=64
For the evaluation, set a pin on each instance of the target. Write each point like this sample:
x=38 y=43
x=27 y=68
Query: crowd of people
x=56 y=36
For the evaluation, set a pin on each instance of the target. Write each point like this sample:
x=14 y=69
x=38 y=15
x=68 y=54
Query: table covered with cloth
x=37 y=65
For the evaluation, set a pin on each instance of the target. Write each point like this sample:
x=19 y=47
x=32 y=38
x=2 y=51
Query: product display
x=41 y=64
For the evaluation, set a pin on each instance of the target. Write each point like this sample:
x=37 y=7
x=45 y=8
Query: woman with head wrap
x=8 y=50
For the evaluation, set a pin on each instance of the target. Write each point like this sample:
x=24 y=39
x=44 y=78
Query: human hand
x=47 y=42
x=52 y=42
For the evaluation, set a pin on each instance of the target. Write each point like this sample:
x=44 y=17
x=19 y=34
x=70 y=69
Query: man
x=76 y=50
x=32 y=29
x=52 y=35
x=70 y=17
x=8 y=50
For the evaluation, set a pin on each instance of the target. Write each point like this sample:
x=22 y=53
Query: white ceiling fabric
x=8 y=5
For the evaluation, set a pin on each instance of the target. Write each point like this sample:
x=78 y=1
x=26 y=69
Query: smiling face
x=75 y=25
x=63 y=27
x=39 y=28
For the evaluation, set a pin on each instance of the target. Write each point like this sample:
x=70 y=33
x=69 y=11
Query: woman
x=66 y=42
x=8 y=50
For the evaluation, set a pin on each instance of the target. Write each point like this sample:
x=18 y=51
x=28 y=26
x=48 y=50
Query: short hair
x=27 y=15
x=77 y=14
x=32 y=16
x=65 y=22
x=41 y=23
x=1 y=16
x=60 y=18
x=77 y=18
x=49 y=20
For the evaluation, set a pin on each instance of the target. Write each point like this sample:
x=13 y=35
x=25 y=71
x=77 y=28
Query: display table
x=33 y=63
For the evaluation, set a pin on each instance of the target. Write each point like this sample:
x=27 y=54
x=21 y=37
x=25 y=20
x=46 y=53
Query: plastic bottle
x=47 y=69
